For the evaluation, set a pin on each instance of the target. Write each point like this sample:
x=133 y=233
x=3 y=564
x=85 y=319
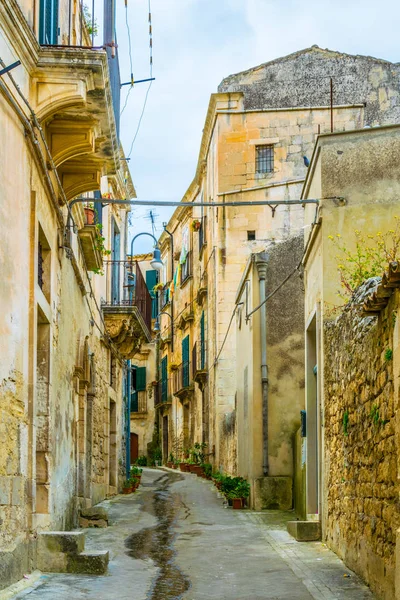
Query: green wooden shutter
x=164 y=379
x=151 y=281
x=48 y=22
x=140 y=379
x=185 y=361
x=202 y=342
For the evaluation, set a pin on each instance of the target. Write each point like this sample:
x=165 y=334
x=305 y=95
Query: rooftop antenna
x=152 y=216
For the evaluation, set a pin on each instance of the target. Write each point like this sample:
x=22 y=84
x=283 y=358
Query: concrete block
x=304 y=531
x=273 y=493
x=91 y=563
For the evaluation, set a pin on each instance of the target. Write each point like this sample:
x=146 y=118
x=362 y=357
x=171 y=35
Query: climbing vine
x=370 y=257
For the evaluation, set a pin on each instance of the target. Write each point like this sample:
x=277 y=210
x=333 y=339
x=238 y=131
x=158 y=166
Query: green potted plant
x=157 y=456
x=171 y=461
x=127 y=487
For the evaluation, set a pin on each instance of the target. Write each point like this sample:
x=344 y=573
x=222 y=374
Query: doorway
x=165 y=439
x=113 y=445
x=134 y=448
x=313 y=421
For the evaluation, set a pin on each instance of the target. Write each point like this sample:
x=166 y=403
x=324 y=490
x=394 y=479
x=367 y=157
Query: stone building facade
x=351 y=366
x=65 y=332
x=258 y=129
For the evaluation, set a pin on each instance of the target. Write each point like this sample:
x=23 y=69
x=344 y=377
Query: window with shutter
x=185 y=362
x=202 y=342
x=48 y=22
x=164 y=379
x=140 y=379
x=151 y=281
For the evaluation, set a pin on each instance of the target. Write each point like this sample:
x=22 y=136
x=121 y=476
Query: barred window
x=265 y=159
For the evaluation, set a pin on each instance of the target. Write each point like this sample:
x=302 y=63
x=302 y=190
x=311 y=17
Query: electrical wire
x=313 y=225
x=150 y=84
x=128 y=29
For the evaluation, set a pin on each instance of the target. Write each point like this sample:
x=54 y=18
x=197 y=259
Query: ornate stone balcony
x=127 y=307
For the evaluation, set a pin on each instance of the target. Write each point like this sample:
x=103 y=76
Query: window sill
x=184 y=283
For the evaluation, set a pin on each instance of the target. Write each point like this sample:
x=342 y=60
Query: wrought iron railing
x=125 y=286
x=165 y=296
x=202 y=233
x=162 y=391
x=186 y=268
x=199 y=357
x=181 y=377
x=139 y=404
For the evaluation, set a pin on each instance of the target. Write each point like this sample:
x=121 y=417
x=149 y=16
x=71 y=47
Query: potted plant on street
x=243 y=491
x=171 y=461
x=127 y=487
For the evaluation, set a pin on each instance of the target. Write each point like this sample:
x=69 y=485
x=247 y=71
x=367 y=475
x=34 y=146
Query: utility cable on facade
x=285 y=280
x=150 y=84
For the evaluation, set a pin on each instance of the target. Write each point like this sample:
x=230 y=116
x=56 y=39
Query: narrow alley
x=175 y=539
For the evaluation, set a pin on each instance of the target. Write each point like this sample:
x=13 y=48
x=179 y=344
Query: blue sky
x=196 y=43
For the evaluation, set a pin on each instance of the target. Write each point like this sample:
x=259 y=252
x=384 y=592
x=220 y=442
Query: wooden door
x=134 y=447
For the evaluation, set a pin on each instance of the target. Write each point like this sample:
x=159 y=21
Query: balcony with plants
x=199 y=363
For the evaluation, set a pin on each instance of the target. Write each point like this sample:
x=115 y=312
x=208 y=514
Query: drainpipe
x=128 y=418
x=261 y=263
x=171 y=237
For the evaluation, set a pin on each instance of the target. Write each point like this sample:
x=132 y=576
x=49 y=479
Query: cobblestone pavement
x=174 y=540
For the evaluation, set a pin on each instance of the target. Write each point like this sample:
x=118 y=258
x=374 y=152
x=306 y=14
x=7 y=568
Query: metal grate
x=265 y=159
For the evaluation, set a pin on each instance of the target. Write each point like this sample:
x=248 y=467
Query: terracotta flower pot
x=192 y=468
x=182 y=466
x=89 y=214
x=169 y=465
x=126 y=490
x=237 y=503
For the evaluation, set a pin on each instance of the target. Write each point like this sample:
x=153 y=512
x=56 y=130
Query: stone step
x=54 y=547
x=63 y=552
x=90 y=563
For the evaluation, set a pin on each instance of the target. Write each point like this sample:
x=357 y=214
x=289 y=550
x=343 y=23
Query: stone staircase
x=64 y=552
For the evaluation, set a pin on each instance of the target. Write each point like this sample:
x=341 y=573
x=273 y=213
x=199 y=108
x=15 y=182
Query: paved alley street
x=175 y=539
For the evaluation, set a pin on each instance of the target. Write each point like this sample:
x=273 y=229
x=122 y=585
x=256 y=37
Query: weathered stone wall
x=361 y=511
x=285 y=82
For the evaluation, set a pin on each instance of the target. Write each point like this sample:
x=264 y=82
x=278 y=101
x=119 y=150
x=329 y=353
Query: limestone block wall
x=361 y=513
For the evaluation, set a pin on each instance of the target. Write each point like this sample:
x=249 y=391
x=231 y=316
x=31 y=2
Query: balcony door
x=48 y=22
x=115 y=257
x=185 y=362
x=164 y=379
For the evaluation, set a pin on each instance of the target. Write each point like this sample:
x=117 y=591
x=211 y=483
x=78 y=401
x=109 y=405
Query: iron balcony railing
x=202 y=233
x=181 y=377
x=186 y=268
x=125 y=286
x=165 y=296
x=199 y=357
x=162 y=391
x=139 y=403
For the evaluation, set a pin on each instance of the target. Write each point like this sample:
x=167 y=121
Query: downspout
x=128 y=418
x=261 y=262
x=171 y=237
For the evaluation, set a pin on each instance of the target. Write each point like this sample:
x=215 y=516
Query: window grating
x=40 y=266
x=265 y=159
